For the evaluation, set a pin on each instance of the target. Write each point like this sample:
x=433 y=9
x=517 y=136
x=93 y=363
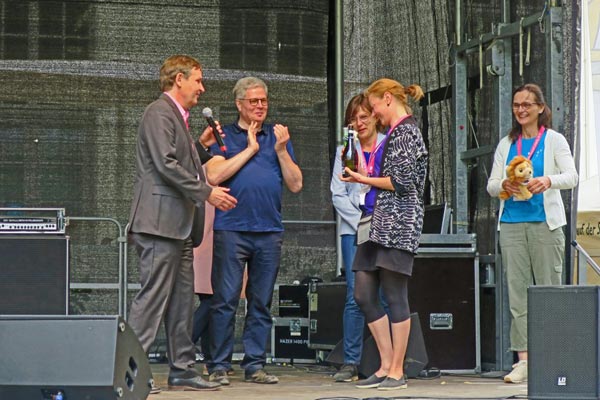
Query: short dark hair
x=356 y=102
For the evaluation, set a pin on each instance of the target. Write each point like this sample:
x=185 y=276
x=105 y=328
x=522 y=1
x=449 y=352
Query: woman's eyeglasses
x=362 y=119
x=525 y=105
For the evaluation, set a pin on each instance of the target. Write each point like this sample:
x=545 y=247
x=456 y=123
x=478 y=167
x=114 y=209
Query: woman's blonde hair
x=395 y=88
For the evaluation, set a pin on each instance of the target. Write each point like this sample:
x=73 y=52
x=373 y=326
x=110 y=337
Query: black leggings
x=395 y=291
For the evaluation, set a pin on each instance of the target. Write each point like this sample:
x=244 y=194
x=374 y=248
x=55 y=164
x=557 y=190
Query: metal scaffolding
x=496 y=59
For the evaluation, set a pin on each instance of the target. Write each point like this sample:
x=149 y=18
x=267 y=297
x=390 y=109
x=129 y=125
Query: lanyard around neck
x=371 y=164
x=397 y=123
x=537 y=141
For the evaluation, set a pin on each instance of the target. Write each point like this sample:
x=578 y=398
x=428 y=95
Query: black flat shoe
x=371 y=382
x=392 y=384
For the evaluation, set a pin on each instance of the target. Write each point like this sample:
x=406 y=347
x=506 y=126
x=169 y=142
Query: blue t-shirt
x=257 y=186
x=531 y=210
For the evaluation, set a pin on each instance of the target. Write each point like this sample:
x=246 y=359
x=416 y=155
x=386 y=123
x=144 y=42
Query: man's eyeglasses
x=525 y=105
x=254 y=102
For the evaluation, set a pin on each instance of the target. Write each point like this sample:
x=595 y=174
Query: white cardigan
x=559 y=166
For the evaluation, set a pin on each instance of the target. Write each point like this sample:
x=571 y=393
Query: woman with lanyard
x=349 y=202
x=387 y=244
x=531 y=236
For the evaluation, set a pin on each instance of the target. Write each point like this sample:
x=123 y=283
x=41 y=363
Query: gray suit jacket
x=170 y=188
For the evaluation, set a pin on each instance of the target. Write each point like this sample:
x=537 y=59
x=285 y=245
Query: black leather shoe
x=193 y=383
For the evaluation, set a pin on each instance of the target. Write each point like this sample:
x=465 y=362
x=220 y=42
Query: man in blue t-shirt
x=250 y=234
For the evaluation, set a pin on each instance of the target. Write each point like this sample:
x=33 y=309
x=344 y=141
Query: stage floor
x=311 y=382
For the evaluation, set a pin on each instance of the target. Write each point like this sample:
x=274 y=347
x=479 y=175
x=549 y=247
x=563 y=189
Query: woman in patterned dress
x=391 y=238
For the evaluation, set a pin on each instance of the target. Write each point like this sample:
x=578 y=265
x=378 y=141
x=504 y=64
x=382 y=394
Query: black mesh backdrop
x=77 y=75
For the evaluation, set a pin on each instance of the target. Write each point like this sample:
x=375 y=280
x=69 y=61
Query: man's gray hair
x=249 y=82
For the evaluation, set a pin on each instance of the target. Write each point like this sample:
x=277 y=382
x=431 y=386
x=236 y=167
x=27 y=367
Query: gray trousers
x=167 y=280
x=532 y=254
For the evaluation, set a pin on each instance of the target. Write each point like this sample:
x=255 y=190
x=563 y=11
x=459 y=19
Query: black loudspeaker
x=563 y=342
x=289 y=341
x=35 y=275
x=293 y=301
x=83 y=357
x=336 y=356
x=444 y=292
x=326 y=302
x=416 y=353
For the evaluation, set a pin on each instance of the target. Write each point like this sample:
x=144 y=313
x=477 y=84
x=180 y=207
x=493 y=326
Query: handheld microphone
x=207 y=112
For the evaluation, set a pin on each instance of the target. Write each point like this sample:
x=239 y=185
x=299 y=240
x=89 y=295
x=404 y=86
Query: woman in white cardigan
x=532 y=241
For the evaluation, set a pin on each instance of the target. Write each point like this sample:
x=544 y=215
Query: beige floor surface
x=310 y=382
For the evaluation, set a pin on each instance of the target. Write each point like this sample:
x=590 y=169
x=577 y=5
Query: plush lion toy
x=519 y=170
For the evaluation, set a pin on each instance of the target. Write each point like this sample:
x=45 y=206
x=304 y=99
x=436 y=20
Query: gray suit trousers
x=167 y=280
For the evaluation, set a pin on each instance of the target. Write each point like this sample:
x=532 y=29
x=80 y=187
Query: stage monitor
x=35 y=275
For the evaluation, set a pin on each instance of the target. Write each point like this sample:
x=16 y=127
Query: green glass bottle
x=350 y=153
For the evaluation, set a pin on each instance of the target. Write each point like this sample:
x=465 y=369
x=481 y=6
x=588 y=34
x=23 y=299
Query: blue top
x=531 y=210
x=257 y=185
x=371 y=196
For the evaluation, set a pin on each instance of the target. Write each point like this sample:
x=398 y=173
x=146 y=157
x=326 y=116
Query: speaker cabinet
x=293 y=301
x=83 y=357
x=35 y=275
x=444 y=291
x=563 y=342
x=289 y=341
x=326 y=302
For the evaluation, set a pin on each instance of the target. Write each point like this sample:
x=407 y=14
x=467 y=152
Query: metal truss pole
x=339 y=109
x=502 y=99
x=555 y=98
x=555 y=70
x=459 y=97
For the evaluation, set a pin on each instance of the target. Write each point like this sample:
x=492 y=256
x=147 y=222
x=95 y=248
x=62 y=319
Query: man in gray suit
x=167 y=215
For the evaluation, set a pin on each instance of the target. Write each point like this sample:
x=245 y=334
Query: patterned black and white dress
x=398 y=215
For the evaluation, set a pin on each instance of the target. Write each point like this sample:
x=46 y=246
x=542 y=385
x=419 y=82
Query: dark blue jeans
x=200 y=324
x=232 y=251
x=354 y=320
